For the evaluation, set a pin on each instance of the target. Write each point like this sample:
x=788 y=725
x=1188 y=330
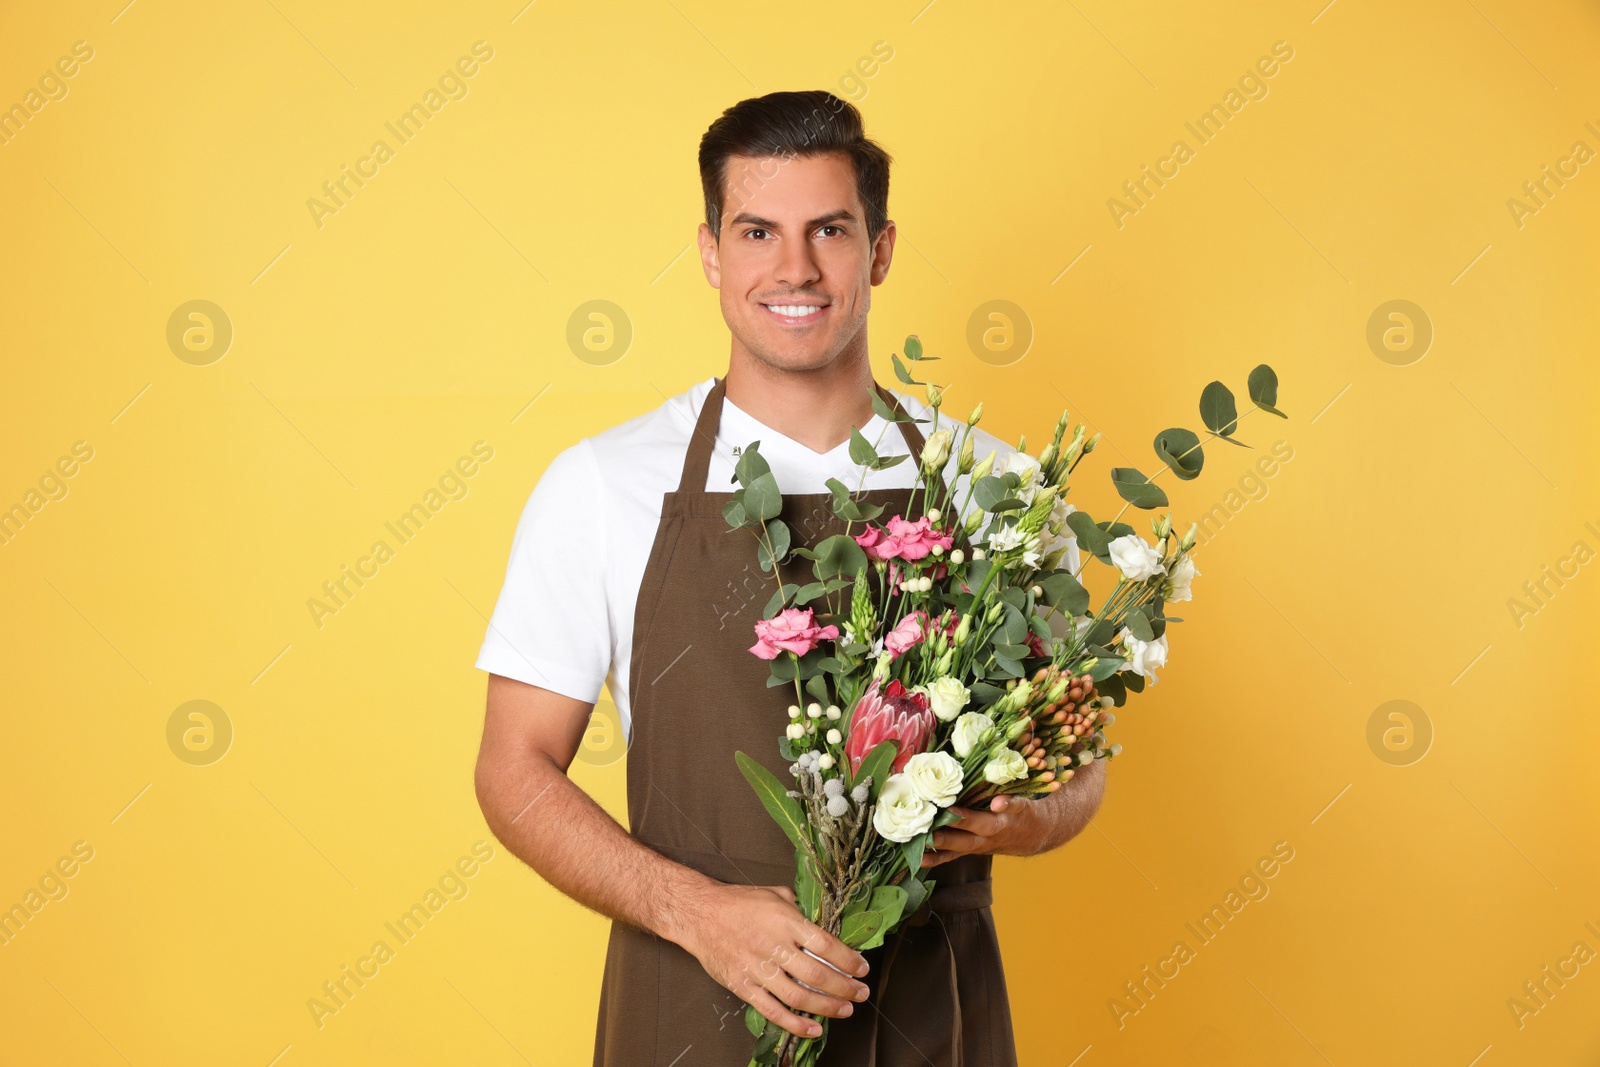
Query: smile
x=797 y=314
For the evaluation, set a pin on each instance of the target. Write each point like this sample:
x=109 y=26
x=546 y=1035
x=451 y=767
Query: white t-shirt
x=564 y=618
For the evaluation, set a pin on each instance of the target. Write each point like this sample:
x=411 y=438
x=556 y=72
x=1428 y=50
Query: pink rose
x=903 y=540
x=794 y=630
x=906 y=634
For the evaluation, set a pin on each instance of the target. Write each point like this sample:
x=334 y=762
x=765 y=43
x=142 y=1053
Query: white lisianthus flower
x=902 y=813
x=1144 y=656
x=1135 y=558
x=936 y=777
x=1007 y=538
x=1006 y=766
x=1024 y=467
x=1177 y=586
x=972 y=730
x=946 y=696
x=936 y=450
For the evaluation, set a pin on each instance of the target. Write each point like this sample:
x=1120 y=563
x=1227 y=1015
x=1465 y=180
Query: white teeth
x=791 y=311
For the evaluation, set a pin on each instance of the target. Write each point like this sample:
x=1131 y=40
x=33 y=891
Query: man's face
x=793 y=264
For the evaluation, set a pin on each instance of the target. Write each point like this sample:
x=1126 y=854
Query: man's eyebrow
x=842 y=215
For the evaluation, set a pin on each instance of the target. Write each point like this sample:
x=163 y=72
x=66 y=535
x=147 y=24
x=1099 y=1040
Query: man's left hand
x=1011 y=826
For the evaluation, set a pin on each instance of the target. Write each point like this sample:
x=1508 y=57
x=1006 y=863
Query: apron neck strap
x=697 y=464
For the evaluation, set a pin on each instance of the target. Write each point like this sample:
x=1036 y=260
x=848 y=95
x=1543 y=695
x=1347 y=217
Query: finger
x=799 y=998
x=822 y=976
x=786 y=893
x=933 y=859
x=1000 y=803
x=773 y=1009
x=957 y=842
x=830 y=948
x=982 y=823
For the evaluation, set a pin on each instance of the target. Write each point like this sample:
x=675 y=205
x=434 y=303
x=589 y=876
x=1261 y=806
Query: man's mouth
x=796 y=314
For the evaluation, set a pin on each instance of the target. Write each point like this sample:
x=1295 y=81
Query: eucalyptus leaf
x=1139 y=626
x=775 y=547
x=762 y=499
x=752 y=464
x=861 y=450
x=733 y=510
x=1217 y=409
x=1263 y=387
x=913 y=347
x=1180 y=450
x=1091 y=538
x=838 y=556
x=1136 y=489
x=901 y=372
x=989 y=491
x=1062 y=590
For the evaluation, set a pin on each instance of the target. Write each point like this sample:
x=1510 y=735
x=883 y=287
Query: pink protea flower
x=887 y=712
x=793 y=630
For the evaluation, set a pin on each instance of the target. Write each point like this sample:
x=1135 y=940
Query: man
x=613 y=570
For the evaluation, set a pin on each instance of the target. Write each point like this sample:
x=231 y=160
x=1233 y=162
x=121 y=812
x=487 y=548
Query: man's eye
x=749 y=233
x=830 y=227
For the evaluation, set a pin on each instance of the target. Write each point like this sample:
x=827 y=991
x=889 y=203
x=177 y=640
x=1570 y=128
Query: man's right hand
x=749 y=939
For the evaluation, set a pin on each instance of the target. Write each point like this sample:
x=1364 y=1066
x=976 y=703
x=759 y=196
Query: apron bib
x=698 y=695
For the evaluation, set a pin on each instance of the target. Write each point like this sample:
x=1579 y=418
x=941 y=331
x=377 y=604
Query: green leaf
x=733 y=510
x=912 y=850
x=1217 y=409
x=754 y=1021
x=913 y=347
x=807 y=892
x=1091 y=538
x=776 y=546
x=809 y=592
x=1012 y=652
x=778 y=599
x=782 y=807
x=857 y=929
x=989 y=492
x=1062 y=590
x=752 y=464
x=877 y=763
x=1263 y=386
x=1007 y=667
x=946 y=817
x=838 y=556
x=901 y=372
x=917 y=890
x=817 y=686
x=1107 y=666
x=1136 y=489
x=766 y=1050
x=1099 y=632
x=1138 y=626
x=888 y=904
x=1134 y=682
x=1112 y=687
x=861 y=450
x=1013 y=627
x=762 y=499
x=1180 y=450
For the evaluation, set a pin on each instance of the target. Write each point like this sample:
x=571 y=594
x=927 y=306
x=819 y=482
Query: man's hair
x=791 y=125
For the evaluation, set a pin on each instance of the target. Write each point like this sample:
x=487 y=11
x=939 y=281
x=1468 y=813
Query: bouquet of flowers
x=951 y=654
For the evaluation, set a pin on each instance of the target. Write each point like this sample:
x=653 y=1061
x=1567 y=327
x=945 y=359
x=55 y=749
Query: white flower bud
x=977 y=553
x=795 y=731
x=825 y=761
x=794 y=711
x=933 y=514
x=834 y=737
x=833 y=711
x=813 y=709
x=958 y=556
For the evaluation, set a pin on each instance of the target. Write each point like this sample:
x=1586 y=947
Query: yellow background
x=371 y=352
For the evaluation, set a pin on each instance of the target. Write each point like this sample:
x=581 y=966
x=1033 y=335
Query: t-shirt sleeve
x=551 y=625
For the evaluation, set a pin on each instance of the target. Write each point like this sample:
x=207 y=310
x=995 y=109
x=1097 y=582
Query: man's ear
x=882 y=253
x=710 y=260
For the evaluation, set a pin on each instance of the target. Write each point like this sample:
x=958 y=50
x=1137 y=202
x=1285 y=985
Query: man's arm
x=1021 y=827
x=748 y=938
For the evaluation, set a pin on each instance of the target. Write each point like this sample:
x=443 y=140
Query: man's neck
x=816 y=408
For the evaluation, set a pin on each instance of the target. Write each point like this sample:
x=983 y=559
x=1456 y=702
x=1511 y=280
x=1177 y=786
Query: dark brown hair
x=789 y=125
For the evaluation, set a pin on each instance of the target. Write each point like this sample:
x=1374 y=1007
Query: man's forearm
x=556 y=828
x=1067 y=811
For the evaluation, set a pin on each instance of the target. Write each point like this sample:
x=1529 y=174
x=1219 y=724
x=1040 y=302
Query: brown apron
x=698 y=695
